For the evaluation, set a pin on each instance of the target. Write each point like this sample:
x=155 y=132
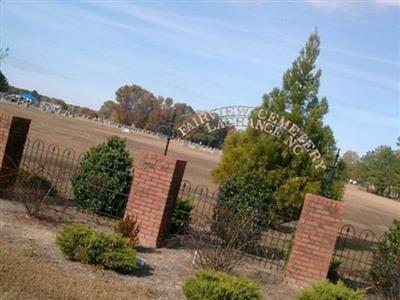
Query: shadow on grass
x=141 y=249
x=147 y=270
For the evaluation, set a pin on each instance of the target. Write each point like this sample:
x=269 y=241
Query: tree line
x=135 y=106
x=378 y=170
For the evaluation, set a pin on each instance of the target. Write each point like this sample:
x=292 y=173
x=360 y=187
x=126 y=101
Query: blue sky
x=211 y=54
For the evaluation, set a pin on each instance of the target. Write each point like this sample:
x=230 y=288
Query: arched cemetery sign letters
x=265 y=120
x=228 y=116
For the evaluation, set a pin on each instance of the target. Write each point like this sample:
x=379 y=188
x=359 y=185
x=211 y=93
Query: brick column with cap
x=13 y=135
x=314 y=242
x=152 y=198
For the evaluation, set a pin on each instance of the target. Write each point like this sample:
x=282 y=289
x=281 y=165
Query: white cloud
x=387 y=2
x=28 y=66
x=350 y=5
x=152 y=16
x=364 y=75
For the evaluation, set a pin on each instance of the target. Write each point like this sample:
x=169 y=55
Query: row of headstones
x=153 y=194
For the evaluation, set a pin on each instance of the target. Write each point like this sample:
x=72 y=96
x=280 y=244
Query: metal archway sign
x=264 y=120
x=227 y=116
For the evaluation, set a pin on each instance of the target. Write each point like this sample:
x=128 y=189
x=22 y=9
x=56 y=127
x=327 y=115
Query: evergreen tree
x=288 y=176
x=379 y=171
x=3 y=83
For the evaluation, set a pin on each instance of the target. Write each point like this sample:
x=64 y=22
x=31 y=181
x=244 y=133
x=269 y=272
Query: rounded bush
x=82 y=243
x=245 y=197
x=326 y=290
x=102 y=181
x=217 y=286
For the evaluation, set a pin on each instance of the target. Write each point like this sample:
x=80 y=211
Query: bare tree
x=33 y=190
x=220 y=242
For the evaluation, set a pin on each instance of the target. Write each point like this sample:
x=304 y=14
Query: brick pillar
x=314 y=242
x=13 y=135
x=5 y=122
x=153 y=194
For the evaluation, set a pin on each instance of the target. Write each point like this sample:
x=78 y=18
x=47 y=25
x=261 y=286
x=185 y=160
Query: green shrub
x=102 y=181
x=73 y=237
x=82 y=243
x=93 y=247
x=326 y=290
x=245 y=197
x=122 y=260
x=385 y=267
x=181 y=216
x=333 y=272
x=219 y=286
x=27 y=179
x=128 y=228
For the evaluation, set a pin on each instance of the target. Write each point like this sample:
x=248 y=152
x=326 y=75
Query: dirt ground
x=364 y=210
x=31 y=267
x=367 y=211
x=81 y=134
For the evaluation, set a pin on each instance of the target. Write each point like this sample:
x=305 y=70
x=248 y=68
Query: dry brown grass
x=32 y=268
x=369 y=211
x=28 y=272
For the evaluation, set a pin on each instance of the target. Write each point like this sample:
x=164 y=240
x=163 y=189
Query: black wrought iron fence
x=44 y=166
x=202 y=200
x=272 y=247
x=355 y=253
x=52 y=162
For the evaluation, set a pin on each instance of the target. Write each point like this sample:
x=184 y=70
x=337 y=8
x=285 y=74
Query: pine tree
x=379 y=170
x=289 y=176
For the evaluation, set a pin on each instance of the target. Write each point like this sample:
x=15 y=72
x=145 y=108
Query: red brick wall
x=315 y=240
x=5 y=122
x=153 y=194
x=13 y=135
